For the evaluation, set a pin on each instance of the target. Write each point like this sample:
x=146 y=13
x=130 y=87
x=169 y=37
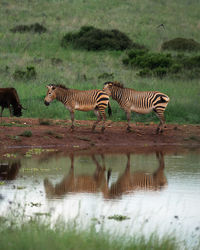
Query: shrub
x=29 y=74
x=160 y=72
x=175 y=68
x=160 y=64
x=90 y=38
x=145 y=73
x=56 y=61
x=36 y=28
x=191 y=62
x=44 y=121
x=106 y=76
x=26 y=133
x=181 y=44
x=144 y=59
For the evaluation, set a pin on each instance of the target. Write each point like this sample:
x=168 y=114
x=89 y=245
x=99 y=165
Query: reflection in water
x=129 y=182
x=79 y=183
x=89 y=189
x=126 y=183
x=9 y=170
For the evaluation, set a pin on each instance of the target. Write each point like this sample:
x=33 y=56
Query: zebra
x=142 y=102
x=83 y=100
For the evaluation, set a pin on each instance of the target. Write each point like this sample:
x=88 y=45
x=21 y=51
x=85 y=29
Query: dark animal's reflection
x=126 y=183
x=9 y=170
x=79 y=183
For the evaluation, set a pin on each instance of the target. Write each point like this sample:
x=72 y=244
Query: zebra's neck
x=116 y=93
x=61 y=95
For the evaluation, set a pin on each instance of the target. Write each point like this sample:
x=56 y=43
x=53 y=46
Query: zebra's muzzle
x=46 y=103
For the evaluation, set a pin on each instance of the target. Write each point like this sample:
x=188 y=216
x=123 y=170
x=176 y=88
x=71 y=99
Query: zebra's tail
x=109 y=174
x=109 y=110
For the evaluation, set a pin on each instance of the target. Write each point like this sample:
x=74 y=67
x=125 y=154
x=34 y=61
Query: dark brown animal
x=10 y=99
x=9 y=170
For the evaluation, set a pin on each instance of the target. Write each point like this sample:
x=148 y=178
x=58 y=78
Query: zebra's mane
x=59 y=86
x=118 y=84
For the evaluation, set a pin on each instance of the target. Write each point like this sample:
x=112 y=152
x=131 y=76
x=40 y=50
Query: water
x=155 y=192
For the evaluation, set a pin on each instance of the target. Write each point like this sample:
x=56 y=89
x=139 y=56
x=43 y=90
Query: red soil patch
x=115 y=138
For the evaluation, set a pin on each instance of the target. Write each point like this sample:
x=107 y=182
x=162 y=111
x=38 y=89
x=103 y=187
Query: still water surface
x=156 y=192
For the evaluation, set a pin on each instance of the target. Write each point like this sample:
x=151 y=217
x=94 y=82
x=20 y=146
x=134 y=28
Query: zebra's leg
x=160 y=115
x=96 y=111
x=72 y=119
x=72 y=160
x=128 y=116
x=128 y=163
x=103 y=115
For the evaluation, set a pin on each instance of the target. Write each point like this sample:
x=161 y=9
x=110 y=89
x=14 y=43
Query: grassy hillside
x=139 y=20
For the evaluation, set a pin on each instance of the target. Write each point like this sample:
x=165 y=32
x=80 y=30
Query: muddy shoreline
x=56 y=134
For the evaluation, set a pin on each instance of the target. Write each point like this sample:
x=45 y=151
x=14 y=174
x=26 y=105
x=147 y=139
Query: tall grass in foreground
x=36 y=235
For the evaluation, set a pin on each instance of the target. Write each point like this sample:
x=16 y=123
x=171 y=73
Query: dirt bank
x=56 y=134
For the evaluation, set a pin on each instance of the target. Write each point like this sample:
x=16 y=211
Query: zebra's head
x=108 y=87
x=51 y=94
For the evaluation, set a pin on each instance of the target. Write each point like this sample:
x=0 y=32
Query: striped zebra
x=142 y=102
x=74 y=99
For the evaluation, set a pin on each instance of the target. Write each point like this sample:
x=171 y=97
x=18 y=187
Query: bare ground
x=57 y=134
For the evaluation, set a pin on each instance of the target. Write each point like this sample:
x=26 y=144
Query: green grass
x=39 y=235
x=26 y=133
x=81 y=69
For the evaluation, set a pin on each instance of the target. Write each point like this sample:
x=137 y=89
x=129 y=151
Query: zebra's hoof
x=72 y=129
x=102 y=129
x=159 y=131
x=128 y=129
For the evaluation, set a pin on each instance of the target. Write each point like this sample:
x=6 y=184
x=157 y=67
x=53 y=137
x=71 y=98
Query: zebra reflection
x=129 y=182
x=100 y=181
x=80 y=183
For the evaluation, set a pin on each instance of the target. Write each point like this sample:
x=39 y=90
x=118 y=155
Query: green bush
x=181 y=44
x=175 y=68
x=26 y=133
x=160 y=72
x=145 y=59
x=29 y=74
x=90 y=38
x=161 y=65
x=145 y=73
x=36 y=28
x=106 y=75
x=191 y=62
